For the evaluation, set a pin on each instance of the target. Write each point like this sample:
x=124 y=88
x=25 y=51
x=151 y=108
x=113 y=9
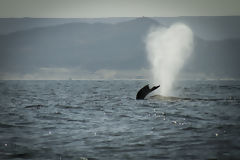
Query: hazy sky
x=117 y=8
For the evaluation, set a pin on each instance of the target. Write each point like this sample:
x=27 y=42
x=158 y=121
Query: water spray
x=167 y=50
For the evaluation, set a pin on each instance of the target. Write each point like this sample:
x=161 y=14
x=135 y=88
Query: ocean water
x=88 y=120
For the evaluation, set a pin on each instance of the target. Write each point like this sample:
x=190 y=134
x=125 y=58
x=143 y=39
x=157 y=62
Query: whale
x=143 y=92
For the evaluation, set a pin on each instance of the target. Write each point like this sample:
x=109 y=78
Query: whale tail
x=143 y=92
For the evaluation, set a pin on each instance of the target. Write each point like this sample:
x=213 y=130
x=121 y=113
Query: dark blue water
x=102 y=120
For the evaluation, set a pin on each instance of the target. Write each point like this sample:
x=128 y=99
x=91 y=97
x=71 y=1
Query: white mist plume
x=168 y=49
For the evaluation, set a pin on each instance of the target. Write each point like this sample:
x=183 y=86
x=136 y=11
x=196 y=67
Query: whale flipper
x=143 y=92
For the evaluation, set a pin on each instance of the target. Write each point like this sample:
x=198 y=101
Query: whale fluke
x=143 y=92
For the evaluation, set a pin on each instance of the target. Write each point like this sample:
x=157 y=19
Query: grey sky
x=117 y=8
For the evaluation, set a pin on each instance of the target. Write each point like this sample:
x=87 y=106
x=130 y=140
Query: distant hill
x=217 y=59
x=9 y=25
x=207 y=27
x=91 y=46
x=107 y=46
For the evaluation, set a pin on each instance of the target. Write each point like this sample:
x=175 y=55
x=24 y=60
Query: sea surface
x=98 y=120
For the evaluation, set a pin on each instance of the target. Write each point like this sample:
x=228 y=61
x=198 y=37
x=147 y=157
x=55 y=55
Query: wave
x=171 y=98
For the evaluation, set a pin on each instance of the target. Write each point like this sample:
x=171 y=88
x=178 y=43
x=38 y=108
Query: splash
x=168 y=49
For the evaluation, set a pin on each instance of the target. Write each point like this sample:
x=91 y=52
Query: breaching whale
x=143 y=92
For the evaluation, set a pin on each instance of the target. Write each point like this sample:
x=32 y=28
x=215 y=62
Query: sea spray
x=167 y=50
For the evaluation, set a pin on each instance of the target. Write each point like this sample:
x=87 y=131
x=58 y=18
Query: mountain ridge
x=101 y=46
x=206 y=27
